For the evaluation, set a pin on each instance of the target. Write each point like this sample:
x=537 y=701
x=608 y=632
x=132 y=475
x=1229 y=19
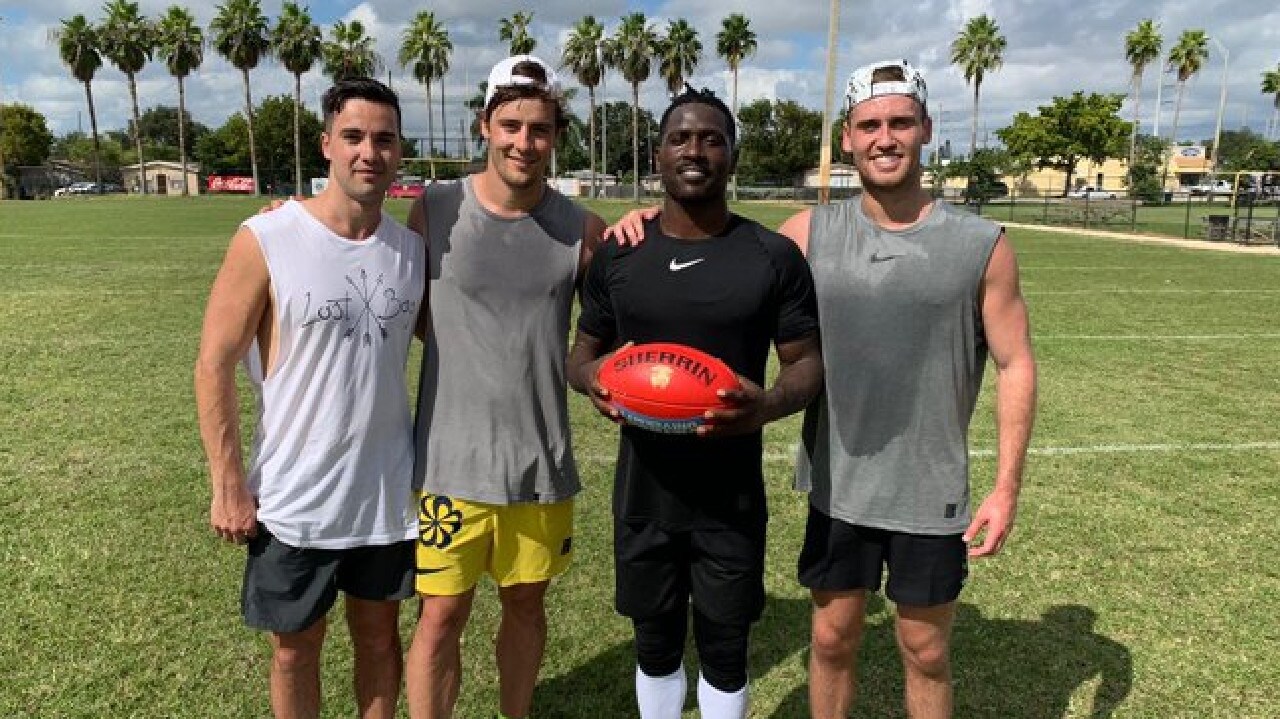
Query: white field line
x=1161 y=448
x=1154 y=291
x=1160 y=338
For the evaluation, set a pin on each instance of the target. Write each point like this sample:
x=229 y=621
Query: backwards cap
x=860 y=87
x=501 y=76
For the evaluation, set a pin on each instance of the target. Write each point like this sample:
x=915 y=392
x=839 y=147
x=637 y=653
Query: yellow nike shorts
x=515 y=544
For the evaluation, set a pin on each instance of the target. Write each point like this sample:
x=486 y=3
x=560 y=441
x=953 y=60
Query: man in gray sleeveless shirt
x=913 y=295
x=494 y=463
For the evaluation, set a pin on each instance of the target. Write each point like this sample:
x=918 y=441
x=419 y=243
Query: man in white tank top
x=493 y=454
x=895 y=272
x=320 y=299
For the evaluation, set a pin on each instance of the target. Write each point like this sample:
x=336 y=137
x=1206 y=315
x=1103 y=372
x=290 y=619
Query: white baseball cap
x=860 y=87
x=501 y=76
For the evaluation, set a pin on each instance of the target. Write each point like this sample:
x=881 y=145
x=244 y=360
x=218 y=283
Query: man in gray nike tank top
x=912 y=296
x=493 y=458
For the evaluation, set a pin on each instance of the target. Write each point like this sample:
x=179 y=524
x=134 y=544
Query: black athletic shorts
x=924 y=570
x=287 y=589
x=658 y=571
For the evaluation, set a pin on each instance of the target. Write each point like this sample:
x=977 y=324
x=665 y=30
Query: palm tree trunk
x=93 y=126
x=591 y=136
x=444 y=120
x=253 y=146
x=137 y=134
x=182 y=134
x=635 y=142
x=1173 y=136
x=1133 y=133
x=297 y=134
x=733 y=179
x=973 y=131
x=430 y=152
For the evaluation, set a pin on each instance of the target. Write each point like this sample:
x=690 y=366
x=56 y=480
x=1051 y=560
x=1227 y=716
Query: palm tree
x=128 y=40
x=735 y=42
x=584 y=57
x=79 y=48
x=515 y=30
x=425 y=49
x=349 y=52
x=633 y=47
x=1271 y=86
x=180 y=43
x=1141 y=47
x=240 y=34
x=978 y=49
x=1187 y=57
x=295 y=40
x=678 y=54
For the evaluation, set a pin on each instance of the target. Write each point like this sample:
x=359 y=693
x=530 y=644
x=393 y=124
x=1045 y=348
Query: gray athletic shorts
x=287 y=589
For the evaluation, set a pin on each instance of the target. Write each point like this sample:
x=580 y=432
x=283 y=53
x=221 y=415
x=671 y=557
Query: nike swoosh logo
x=677 y=266
x=430 y=570
x=877 y=257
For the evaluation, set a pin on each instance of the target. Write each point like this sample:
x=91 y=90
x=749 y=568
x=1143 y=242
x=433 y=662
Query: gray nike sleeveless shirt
x=493 y=419
x=886 y=445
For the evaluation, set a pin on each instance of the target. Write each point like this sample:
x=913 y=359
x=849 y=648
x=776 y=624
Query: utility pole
x=824 y=153
x=1222 y=105
x=4 y=185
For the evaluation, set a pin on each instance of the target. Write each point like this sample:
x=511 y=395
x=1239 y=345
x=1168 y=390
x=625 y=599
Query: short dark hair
x=702 y=97
x=358 y=88
x=511 y=93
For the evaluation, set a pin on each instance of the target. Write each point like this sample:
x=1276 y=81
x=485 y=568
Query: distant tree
x=584 y=56
x=80 y=49
x=615 y=120
x=1144 y=174
x=24 y=136
x=180 y=44
x=1068 y=130
x=159 y=126
x=1246 y=150
x=735 y=42
x=349 y=52
x=514 y=31
x=274 y=118
x=1141 y=48
x=81 y=149
x=678 y=54
x=425 y=49
x=1187 y=57
x=978 y=50
x=239 y=33
x=128 y=39
x=779 y=140
x=633 y=47
x=296 y=42
x=1271 y=86
x=226 y=149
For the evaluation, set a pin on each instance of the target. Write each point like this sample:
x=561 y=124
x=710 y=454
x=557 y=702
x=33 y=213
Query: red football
x=665 y=387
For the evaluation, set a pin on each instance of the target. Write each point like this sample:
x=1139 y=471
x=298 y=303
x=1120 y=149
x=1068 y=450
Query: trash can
x=1217 y=227
x=1168 y=197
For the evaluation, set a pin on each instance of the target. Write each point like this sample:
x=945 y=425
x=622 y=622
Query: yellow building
x=163 y=178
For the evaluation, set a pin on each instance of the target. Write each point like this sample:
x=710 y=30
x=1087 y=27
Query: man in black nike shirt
x=689 y=510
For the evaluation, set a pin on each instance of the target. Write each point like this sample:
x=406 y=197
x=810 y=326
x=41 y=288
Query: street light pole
x=604 y=123
x=4 y=186
x=1222 y=105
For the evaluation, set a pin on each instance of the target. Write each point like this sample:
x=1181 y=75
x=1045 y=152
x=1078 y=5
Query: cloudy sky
x=1054 y=48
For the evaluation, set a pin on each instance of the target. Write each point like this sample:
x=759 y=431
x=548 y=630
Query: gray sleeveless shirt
x=493 y=419
x=886 y=445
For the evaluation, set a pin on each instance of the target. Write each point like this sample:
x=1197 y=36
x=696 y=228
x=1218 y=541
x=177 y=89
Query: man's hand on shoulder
x=630 y=229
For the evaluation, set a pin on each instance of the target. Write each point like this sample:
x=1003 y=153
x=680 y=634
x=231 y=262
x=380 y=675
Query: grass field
x=1142 y=580
x=1183 y=219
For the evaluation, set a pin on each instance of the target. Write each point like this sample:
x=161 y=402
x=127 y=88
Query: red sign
x=230 y=183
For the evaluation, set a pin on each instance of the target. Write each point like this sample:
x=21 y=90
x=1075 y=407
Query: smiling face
x=362 y=146
x=695 y=157
x=521 y=135
x=885 y=135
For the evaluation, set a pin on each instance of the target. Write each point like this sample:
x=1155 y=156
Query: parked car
x=1091 y=193
x=1219 y=187
x=76 y=188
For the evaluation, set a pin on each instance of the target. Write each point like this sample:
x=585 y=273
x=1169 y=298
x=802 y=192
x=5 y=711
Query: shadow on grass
x=1011 y=669
x=604 y=685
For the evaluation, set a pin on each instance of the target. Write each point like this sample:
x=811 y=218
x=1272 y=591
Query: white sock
x=715 y=704
x=661 y=697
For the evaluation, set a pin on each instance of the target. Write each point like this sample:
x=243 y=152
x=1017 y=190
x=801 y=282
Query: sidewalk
x=1152 y=239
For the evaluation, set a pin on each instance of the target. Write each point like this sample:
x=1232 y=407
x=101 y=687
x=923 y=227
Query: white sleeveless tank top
x=332 y=459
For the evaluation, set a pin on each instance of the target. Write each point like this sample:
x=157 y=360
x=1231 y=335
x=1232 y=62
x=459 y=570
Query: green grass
x=1181 y=219
x=1141 y=581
